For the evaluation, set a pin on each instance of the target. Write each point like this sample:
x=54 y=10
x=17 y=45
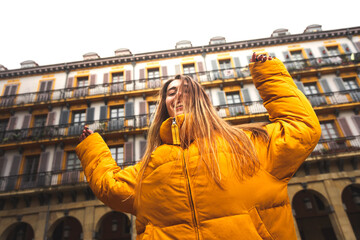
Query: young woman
x=201 y=178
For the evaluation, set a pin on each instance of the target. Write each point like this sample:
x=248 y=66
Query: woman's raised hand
x=86 y=132
x=260 y=58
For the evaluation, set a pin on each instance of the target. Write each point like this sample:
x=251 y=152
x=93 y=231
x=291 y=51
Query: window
x=44 y=91
x=350 y=83
x=153 y=73
x=328 y=130
x=152 y=107
x=225 y=64
x=72 y=162
x=233 y=98
x=117 y=112
x=118 y=154
x=333 y=51
x=3 y=125
x=117 y=77
x=31 y=167
x=311 y=89
x=189 y=69
x=297 y=55
x=9 y=95
x=82 y=81
x=78 y=117
x=226 y=68
x=39 y=123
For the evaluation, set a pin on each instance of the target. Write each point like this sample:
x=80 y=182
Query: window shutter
x=42 y=86
x=214 y=65
x=325 y=86
x=164 y=72
x=7 y=90
x=106 y=78
x=323 y=51
x=51 y=119
x=128 y=152
x=246 y=95
x=129 y=110
x=26 y=122
x=103 y=113
x=356 y=120
x=142 y=107
x=2 y=166
x=92 y=79
x=309 y=53
x=44 y=161
x=345 y=127
x=90 y=115
x=15 y=165
x=346 y=48
x=12 y=123
x=287 y=56
x=200 y=67
x=358 y=44
x=13 y=89
x=56 y=165
x=64 y=117
x=222 y=97
x=128 y=76
x=340 y=84
x=49 y=86
x=142 y=74
x=142 y=148
x=177 y=69
x=237 y=62
x=70 y=82
x=300 y=86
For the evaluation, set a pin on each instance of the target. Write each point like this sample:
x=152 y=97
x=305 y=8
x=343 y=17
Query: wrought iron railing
x=154 y=83
x=138 y=122
x=337 y=145
x=44 y=179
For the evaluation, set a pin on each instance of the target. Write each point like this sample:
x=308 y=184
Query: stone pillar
x=340 y=220
x=40 y=232
x=133 y=227
x=89 y=224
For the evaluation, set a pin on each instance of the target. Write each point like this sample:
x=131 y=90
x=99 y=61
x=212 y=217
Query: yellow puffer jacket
x=178 y=199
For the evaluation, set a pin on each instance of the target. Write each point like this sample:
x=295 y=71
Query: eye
x=172 y=93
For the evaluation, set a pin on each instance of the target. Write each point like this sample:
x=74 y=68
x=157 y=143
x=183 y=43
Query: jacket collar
x=169 y=133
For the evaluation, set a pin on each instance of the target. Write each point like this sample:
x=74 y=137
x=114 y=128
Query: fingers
x=86 y=132
x=260 y=58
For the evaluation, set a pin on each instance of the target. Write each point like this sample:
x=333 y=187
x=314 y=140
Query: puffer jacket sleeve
x=294 y=129
x=112 y=185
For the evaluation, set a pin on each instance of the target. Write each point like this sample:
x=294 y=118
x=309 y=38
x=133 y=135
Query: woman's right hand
x=86 y=132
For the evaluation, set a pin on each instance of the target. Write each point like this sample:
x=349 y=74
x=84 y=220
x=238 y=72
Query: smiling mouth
x=179 y=107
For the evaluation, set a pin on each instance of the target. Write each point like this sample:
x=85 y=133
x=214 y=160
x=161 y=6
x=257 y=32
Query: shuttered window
x=117 y=77
x=72 y=161
x=31 y=168
x=350 y=83
x=153 y=73
x=297 y=55
x=78 y=117
x=117 y=112
x=310 y=89
x=189 y=68
x=333 y=51
x=328 y=130
x=117 y=154
x=82 y=81
x=233 y=97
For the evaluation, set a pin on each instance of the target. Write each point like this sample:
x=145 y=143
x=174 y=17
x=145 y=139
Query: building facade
x=43 y=190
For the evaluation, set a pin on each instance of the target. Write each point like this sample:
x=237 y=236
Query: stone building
x=43 y=191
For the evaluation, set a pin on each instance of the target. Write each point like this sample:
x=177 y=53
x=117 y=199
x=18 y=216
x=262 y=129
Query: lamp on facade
x=308 y=204
x=114 y=225
x=66 y=231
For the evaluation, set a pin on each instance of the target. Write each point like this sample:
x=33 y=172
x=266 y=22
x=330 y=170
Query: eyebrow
x=175 y=88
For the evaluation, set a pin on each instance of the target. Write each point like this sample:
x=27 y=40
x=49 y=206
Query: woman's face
x=174 y=98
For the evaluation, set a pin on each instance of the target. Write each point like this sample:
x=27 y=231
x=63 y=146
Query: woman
x=201 y=178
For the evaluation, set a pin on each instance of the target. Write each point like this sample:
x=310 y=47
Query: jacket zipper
x=176 y=141
x=192 y=206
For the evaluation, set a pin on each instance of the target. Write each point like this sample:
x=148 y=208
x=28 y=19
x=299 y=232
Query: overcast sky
x=52 y=31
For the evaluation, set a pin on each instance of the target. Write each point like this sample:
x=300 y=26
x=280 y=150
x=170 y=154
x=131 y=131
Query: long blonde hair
x=206 y=130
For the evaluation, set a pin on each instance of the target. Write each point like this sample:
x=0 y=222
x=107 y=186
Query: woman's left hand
x=260 y=58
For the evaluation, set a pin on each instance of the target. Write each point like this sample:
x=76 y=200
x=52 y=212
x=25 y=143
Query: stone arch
x=68 y=227
x=311 y=211
x=19 y=230
x=113 y=225
x=351 y=201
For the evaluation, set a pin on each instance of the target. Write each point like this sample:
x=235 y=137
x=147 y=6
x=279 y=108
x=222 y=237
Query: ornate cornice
x=151 y=56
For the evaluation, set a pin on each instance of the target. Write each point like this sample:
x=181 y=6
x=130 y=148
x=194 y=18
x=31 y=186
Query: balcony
x=44 y=179
x=336 y=146
x=143 y=85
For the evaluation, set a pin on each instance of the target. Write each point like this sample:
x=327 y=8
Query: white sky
x=52 y=31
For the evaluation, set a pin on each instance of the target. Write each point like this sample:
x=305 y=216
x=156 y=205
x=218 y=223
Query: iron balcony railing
x=139 y=122
x=154 y=83
x=337 y=145
x=45 y=179
x=76 y=176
